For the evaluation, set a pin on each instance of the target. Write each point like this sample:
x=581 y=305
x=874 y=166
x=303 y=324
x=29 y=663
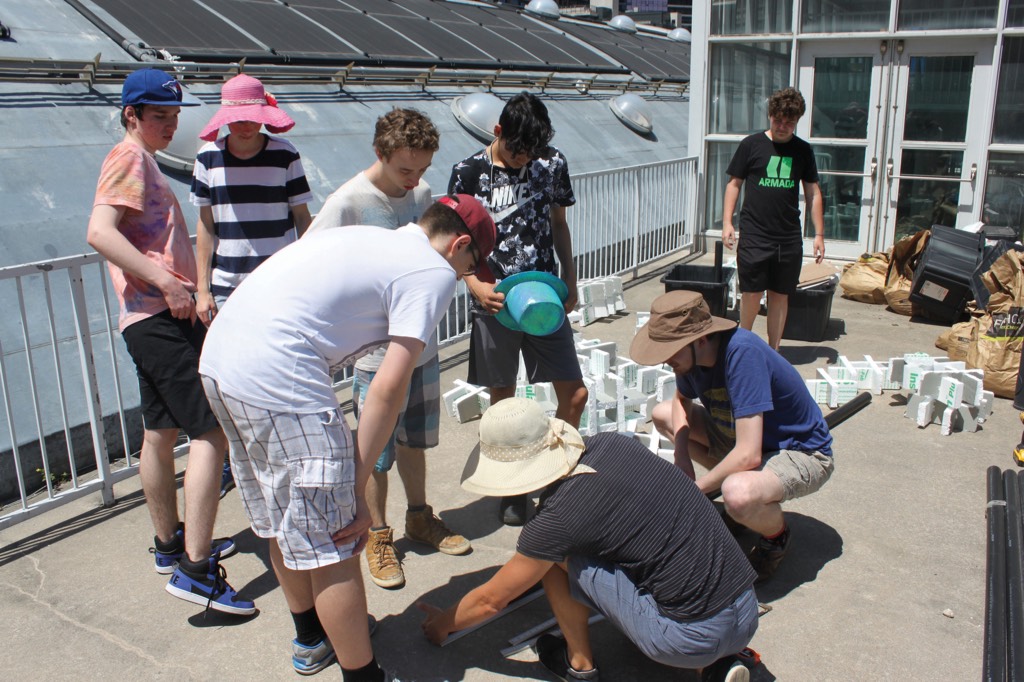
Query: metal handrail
x=68 y=387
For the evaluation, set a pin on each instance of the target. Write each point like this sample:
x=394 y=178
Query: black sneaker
x=227 y=479
x=767 y=554
x=727 y=669
x=554 y=656
x=513 y=510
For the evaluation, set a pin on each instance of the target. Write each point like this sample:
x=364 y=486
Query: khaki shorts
x=801 y=473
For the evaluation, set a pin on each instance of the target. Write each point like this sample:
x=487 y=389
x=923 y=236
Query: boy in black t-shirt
x=619 y=531
x=524 y=183
x=768 y=166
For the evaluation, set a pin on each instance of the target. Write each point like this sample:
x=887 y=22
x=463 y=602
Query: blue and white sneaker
x=309 y=660
x=213 y=591
x=227 y=480
x=164 y=562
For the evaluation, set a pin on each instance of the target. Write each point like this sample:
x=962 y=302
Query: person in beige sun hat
x=756 y=429
x=618 y=531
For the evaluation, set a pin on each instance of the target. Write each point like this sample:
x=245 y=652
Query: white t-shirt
x=316 y=306
x=360 y=202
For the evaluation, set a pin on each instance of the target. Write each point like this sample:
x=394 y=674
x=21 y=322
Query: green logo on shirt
x=777 y=173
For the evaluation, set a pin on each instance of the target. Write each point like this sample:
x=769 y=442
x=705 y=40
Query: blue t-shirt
x=750 y=378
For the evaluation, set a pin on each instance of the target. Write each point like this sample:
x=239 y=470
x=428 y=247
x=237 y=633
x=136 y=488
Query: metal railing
x=69 y=390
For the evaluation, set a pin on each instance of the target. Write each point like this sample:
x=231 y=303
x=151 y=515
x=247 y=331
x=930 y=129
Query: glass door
x=888 y=121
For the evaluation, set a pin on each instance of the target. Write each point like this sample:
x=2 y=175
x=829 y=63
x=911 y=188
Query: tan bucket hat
x=521 y=450
x=678 y=318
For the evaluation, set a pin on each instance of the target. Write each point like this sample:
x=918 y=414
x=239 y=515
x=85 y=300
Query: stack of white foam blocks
x=621 y=393
x=600 y=297
x=942 y=391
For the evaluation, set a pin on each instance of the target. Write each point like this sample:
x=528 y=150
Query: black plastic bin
x=809 y=313
x=701 y=278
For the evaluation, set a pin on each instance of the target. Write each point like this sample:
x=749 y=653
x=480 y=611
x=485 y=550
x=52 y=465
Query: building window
x=743 y=77
x=917 y=15
x=838 y=16
x=1015 y=14
x=1009 y=123
x=719 y=156
x=1004 y=191
x=751 y=17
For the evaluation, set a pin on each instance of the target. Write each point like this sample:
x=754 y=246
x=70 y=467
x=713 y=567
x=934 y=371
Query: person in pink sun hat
x=252 y=195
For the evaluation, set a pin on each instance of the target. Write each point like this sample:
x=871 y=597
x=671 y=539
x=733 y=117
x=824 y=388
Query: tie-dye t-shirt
x=153 y=223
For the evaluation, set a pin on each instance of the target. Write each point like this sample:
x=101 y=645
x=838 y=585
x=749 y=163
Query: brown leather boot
x=427 y=529
x=385 y=568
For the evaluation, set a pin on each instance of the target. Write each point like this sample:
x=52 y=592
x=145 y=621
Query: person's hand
x=357 y=530
x=484 y=292
x=206 y=307
x=729 y=236
x=573 y=298
x=434 y=625
x=178 y=298
x=819 y=248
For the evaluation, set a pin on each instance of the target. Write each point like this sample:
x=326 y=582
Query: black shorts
x=494 y=354
x=772 y=268
x=166 y=354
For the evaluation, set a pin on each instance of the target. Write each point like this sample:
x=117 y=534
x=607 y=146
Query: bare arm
x=745 y=455
x=682 y=450
x=301 y=218
x=562 y=238
x=518 y=575
x=108 y=241
x=732 y=196
x=206 y=241
x=816 y=208
x=377 y=420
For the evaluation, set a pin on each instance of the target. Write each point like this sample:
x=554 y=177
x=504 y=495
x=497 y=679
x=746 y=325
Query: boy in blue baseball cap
x=137 y=225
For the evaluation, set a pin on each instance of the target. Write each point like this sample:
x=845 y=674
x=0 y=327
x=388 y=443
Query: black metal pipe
x=994 y=653
x=1014 y=579
x=718 y=262
x=847 y=410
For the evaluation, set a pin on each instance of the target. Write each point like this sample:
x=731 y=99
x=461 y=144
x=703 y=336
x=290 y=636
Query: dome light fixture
x=546 y=9
x=623 y=23
x=180 y=154
x=634 y=112
x=680 y=34
x=478 y=113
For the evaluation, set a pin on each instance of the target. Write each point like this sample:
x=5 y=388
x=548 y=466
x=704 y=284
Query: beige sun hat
x=521 y=450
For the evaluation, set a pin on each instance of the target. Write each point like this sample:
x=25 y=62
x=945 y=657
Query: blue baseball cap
x=152 y=86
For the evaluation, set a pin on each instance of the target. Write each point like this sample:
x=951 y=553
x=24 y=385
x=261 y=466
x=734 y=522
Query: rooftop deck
x=896 y=538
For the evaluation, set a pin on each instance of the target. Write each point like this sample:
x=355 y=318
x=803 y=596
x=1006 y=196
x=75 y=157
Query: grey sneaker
x=728 y=669
x=309 y=660
x=767 y=554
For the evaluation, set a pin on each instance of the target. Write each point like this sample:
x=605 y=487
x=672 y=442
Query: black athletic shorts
x=494 y=354
x=772 y=268
x=166 y=354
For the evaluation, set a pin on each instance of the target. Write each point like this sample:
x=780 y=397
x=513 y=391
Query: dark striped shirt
x=643 y=514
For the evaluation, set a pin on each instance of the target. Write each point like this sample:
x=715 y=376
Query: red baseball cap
x=480 y=225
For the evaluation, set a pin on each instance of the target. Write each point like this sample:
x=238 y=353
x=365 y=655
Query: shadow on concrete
x=813 y=544
x=808 y=355
x=72 y=527
x=479 y=518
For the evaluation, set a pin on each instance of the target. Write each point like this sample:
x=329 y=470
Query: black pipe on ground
x=1014 y=579
x=847 y=410
x=994 y=654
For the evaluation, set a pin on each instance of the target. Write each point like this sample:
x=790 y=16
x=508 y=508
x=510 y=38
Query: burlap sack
x=899 y=276
x=864 y=280
x=957 y=340
x=999 y=332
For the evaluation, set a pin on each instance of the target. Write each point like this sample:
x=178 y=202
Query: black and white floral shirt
x=520 y=202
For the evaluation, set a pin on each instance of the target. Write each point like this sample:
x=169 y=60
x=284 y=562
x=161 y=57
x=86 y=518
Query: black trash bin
x=701 y=278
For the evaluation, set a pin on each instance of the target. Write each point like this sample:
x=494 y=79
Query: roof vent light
x=634 y=112
x=623 y=23
x=680 y=34
x=478 y=113
x=547 y=9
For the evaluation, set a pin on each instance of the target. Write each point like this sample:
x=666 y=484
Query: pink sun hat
x=243 y=99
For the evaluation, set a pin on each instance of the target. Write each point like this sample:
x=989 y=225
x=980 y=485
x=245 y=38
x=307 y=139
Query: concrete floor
x=894 y=540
